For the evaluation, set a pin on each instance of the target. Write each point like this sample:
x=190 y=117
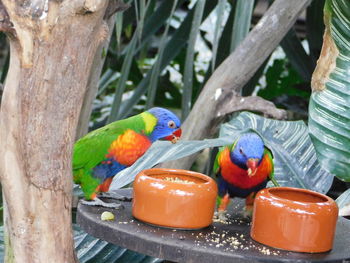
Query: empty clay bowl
x=294 y=219
x=174 y=198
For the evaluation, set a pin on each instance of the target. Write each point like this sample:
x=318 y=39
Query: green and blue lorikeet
x=102 y=153
x=243 y=169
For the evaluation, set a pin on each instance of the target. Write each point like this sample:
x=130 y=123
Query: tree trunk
x=92 y=87
x=53 y=44
x=229 y=78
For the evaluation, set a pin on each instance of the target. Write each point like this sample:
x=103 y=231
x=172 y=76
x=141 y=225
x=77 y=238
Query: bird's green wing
x=90 y=150
x=269 y=155
x=216 y=166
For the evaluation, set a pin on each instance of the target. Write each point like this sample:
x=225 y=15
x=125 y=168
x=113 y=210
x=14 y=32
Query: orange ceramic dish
x=294 y=219
x=174 y=198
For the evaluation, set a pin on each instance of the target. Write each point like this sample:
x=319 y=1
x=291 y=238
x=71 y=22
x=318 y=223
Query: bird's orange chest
x=237 y=176
x=128 y=147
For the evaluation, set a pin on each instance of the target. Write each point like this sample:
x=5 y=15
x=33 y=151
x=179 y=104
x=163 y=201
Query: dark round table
x=220 y=242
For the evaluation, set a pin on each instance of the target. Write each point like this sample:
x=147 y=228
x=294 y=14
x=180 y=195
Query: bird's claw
x=221 y=215
x=248 y=212
x=115 y=196
x=99 y=202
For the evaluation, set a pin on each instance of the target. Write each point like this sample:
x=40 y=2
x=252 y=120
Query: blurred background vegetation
x=162 y=52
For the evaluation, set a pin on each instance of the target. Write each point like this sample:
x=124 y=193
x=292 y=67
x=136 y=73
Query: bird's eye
x=171 y=124
x=240 y=150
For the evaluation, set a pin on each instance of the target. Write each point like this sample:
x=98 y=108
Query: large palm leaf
x=329 y=110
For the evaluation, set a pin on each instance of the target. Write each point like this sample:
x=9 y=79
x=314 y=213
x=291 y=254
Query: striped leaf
x=92 y=250
x=294 y=155
x=329 y=108
x=343 y=202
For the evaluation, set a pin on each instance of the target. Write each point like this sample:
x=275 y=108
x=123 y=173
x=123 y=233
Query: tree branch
x=236 y=103
x=96 y=69
x=237 y=69
x=115 y=6
x=6 y=25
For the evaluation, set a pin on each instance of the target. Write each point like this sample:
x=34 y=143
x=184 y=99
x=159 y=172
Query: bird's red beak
x=175 y=136
x=252 y=165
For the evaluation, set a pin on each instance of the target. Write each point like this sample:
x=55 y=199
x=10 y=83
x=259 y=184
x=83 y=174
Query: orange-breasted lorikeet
x=243 y=169
x=102 y=153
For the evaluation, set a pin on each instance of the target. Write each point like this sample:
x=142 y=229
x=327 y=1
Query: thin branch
x=114 y=7
x=236 y=103
x=6 y=25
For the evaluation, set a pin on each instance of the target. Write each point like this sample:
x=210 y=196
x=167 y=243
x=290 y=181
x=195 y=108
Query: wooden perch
x=236 y=71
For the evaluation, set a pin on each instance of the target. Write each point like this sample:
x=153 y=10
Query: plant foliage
x=295 y=159
x=329 y=110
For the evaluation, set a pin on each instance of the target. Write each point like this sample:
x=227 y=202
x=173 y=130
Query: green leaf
x=92 y=250
x=297 y=55
x=2 y=244
x=156 y=69
x=329 y=108
x=141 y=20
x=118 y=29
x=107 y=78
x=124 y=74
x=249 y=88
x=241 y=24
x=281 y=79
x=188 y=73
x=173 y=48
x=314 y=28
x=156 y=20
x=225 y=39
x=295 y=159
x=218 y=30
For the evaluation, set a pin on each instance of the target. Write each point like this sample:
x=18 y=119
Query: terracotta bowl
x=174 y=198
x=294 y=219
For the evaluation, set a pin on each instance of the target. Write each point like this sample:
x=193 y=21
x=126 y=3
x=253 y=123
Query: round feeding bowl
x=174 y=198
x=294 y=219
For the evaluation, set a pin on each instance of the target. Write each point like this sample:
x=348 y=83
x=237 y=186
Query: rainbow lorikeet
x=243 y=169
x=102 y=153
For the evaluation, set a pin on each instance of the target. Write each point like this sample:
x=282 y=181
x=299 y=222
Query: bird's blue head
x=167 y=127
x=248 y=152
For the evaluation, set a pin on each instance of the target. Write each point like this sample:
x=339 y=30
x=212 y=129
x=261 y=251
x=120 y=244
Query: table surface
x=220 y=242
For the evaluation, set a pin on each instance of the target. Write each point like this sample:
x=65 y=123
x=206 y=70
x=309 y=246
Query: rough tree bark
x=96 y=69
x=229 y=78
x=53 y=44
x=92 y=86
